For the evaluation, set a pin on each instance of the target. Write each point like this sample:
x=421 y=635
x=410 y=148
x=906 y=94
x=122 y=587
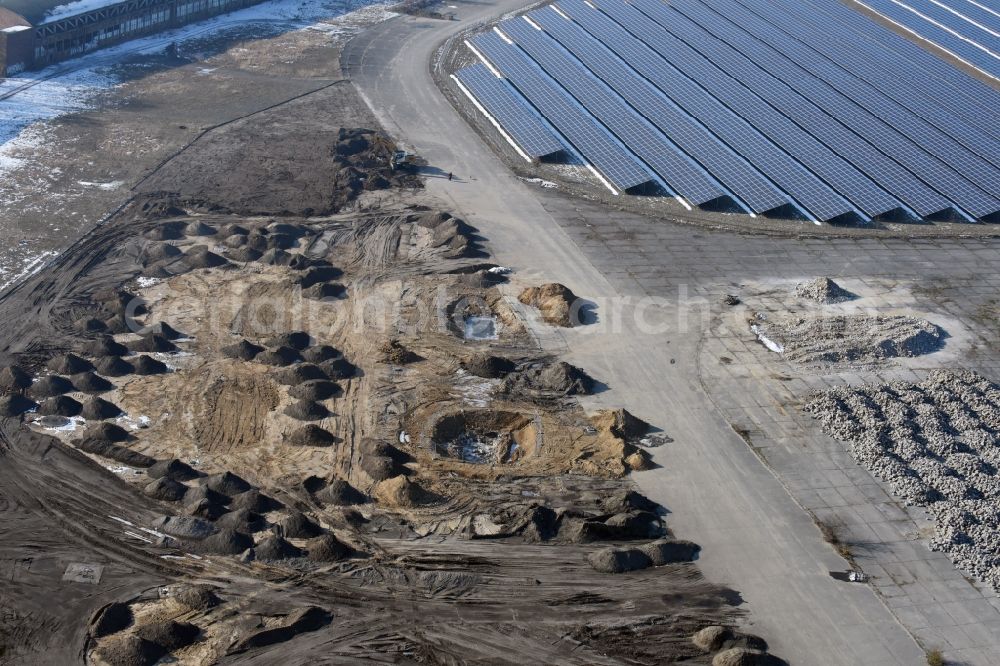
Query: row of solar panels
x=768 y=105
x=969 y=30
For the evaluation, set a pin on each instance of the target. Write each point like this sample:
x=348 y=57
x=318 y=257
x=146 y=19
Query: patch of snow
x=115 y=184
x=77 y=7
x=766 y=341
x=147 y=281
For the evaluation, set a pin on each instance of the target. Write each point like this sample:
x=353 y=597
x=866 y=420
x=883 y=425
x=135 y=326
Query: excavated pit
x=486 y=437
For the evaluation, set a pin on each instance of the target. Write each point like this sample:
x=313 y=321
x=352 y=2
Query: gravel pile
x=327 y=548
x=256 y=501
x=937 y=444
x=114 y=366
x=52 y=385
x=165 y=489
x=69 y=364
x=320 y=353
x=175 y=469
x=315 y=390
x=823 y=290
x=147 y=365
x=297 y=340
x=341 y=493
x=849 y=339
x=88 y=382
x=105 y=346
x=98 y=409
x=61 y=405
x=299 y=373
x=280 y=356
x=152 y=343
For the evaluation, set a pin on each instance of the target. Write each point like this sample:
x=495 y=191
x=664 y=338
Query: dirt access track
x=754 y=505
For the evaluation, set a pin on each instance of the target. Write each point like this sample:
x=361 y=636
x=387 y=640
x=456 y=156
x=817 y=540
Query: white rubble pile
x=937 y=444
x=823 y=290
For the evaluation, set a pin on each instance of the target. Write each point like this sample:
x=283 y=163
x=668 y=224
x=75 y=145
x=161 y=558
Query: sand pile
x=849 y=339
x=256 y=501
x=198 y=597
x=226 y=483
x=556 y=303
x=243 y=350
x=297 y=526
x=621 y=424
x=152 y=343
x=328 y=548
x=226 y=542
x=98 y=409
x=147 y=365
x=111 y=619
x=936 y=443
x=280 y=356
x=745 y=657
x=89 y=382
x=823 y=290
x=104 y=346
x=310 y=435
x=14 y=378
x=618 y=560
x=130 y=650
x=553 y=380
x=49 y=386
x=165 y=489
x=298 y=373
x=315 y=390
x=488 y=366
x=114 y=366
x=69 y=364
x=306 y=410
x=341 y=493
x=275 y=548
x=401 y=493
x=61 y=405
x=172 y=469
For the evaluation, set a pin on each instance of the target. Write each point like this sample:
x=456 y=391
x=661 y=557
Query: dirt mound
x=198 y=228
x=172 y=469
x=315 y=390
x=184 y=527
x=198 y=597
x=156 y=252
x=341 y=493
x=123 y=455
x=169 y=634
x=111 y=619
x=14 y=378
x=61 y=405
x=556 y=303
x=202 y=492
x=90 y=325
x=200 y=256
x=232 y=229
x=306 y=410
x=320 y=353
x=275 y=548
x=243 y=350
x=114 y=366
x=69 y=364
x=49 y=386
x=315 y=275
x=487 y=366
x=165 y=489
x=299 y=373
x=256 y=501
x=621 y=424
x=668 y=551
x=393 y=351
x=823 y=290
x=205 y=509
x=244 y=254
x=400 y=492
x=710 y=639
x=173 y=230
x=553 y=380
x=297 y=340
x=226 y=483
x=89 y=382
x=310 y=435
x=98 y=409
x=152 y=343
x=745 y=657
x=147 y=365
x=166 y=330
x=107 y=432
x=848 y=339
x=298 y=526
x=628 y=500
x=243 y=520
x=273 y=256
x=338 y=368
x=325 y=291
x=104 y=346
x=130 y=650
x=618 y=560
x=280 y=356
x=328 y=548
x=226 y=542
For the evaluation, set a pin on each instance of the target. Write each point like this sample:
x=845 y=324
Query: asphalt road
x=755 y=537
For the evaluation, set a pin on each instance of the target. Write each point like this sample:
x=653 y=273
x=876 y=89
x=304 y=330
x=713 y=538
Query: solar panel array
x=512 y=111
x=768 y=105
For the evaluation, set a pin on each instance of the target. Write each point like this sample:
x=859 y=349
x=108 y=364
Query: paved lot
x=747 y=514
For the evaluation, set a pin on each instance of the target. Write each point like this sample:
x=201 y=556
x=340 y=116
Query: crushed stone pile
x=556 y=303
x=107 y=432
x=243 y=254
x=199 y=256
x=157 y=252
x=551 y=380
x=338 y=368
x=242 y=520
x=849 y=339
x=166 y=330
x=203 y=508
x=310 y=435
x=184 y=527
x=937 y=444
x=823 y=290
x=152 y=343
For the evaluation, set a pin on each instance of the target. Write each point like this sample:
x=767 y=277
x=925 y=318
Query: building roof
x=9 y=19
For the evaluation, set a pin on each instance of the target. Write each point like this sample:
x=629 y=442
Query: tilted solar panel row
x=510 y=110
x=749 y=29
x=890 y=175
x=683 y=130
x=975 y=101
x=952 y=20
x=811 y=194
x=828 y=166
x=976 y=13
x=648 y=143
x=612 y=160
x=880 y=69
x=972 y=54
